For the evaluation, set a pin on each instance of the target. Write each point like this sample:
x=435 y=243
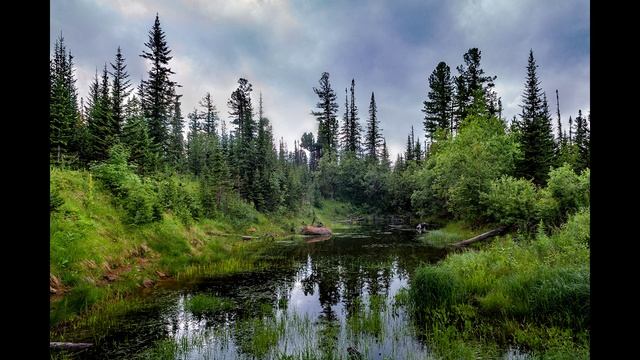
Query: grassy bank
x=99 y=254
x=452 y=232
x=530 y=294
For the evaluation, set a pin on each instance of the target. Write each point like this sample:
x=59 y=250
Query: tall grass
x=449 y=234
x=510 y=292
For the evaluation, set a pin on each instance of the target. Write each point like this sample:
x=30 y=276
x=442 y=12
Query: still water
x=337 y=297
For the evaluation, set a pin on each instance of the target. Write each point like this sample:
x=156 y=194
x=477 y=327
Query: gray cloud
x=390 y=48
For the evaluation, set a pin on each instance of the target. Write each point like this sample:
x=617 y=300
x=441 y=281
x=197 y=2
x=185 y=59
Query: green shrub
x=141 y=203
x=238 y=211
x=570 y=190
x=511 y=201
x=138 y=198
x=174 y=196
x=55 y=200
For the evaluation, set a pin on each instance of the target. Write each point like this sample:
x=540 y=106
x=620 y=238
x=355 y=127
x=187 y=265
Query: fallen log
x=480 y=237
x=69 y=346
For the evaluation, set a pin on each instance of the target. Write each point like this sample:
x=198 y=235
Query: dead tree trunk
x=480 y=237
x=69 y=346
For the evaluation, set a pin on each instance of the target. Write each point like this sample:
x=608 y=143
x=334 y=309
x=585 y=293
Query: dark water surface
x=318 y=297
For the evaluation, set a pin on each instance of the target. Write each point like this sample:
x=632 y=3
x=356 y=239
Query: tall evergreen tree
x=241 y=111
x=158 y=89
x=417 y=150
x=470 y=79
x=570 y=130
x=373 y=138
x=536 y=136
x=326 y=116
x=63 y=106
x=355 y=129
x=119 y=90
x=385 y=161
x=209 y=115
x=307 y=142
x=100 y=120
x=194 y=143
x=410 y=151
x=437 y=108
x=135 y=136
x=176 y=139
x=582 y=142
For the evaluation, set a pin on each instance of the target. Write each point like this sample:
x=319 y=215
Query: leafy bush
x=463 y=166
x=174 y=196
x=570 y=190
x=138 y=199
x=511 y=201
x=238 y=211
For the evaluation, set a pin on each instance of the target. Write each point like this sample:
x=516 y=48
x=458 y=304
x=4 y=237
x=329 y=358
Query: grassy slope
x=88 y=241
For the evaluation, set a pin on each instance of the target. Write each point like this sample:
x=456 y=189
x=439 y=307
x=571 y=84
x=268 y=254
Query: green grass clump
x=516 y=291
x=451 y=233
x=208 y=304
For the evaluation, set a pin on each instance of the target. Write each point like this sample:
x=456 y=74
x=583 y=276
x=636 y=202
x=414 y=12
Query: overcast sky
x=389 y=47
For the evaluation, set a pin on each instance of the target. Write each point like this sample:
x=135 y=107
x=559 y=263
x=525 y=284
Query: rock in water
x=315 y=230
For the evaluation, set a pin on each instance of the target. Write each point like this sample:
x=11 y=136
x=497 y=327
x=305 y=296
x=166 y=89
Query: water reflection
x=320 y=295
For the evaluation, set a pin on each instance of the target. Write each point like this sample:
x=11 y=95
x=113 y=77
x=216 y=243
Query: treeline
x=467 y=145
x=147 y=125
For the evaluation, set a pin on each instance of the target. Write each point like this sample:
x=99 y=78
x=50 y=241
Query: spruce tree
x=385 y=161
x=354 y=125
x=241 y=111
x=158 y=89
x=100 y=120
x=437 y=108
x=536 y=136
x=63 y=106
x=373 y=137
x=409 y=153
x=119 y=91
x=194 y=143
x=327 y=117
x=470 y=79
x=176 y=139
x=582 y=142
x=209 y=115
x=417 y=150
x=135 y=136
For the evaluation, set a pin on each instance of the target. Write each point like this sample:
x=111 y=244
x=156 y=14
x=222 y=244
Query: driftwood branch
x=480 y=237
x=69 y=346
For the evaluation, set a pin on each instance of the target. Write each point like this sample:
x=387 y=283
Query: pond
x=338 y=297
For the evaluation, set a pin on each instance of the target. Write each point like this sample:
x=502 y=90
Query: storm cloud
x=389 y=47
